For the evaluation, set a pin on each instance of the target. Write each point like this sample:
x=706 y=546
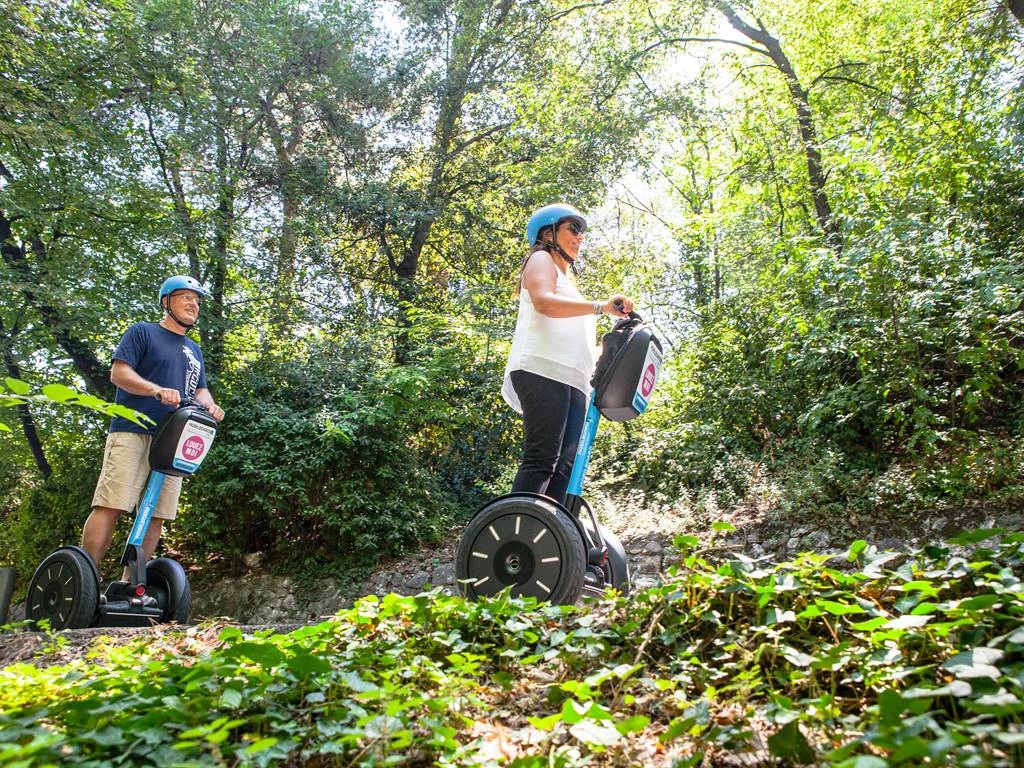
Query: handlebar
x=185 y=402
x=621 y=307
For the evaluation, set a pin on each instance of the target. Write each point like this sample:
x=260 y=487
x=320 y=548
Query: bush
x=51 y=512
x=330 y=456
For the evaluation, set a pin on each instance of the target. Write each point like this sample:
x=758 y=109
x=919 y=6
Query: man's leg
x=98 y=532
x=152 y=537
x=121 y=480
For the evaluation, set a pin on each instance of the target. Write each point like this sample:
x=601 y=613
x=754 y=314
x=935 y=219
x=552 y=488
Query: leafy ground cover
x=875 y=659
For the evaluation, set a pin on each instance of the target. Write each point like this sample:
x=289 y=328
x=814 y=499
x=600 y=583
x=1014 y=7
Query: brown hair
x=540 y=245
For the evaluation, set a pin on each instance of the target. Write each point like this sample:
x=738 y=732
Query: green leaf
x=976 y=535
x=17 y=386
x=791 y=745
x=59 y=393
x=839 y=609
x=264 y=654
x=545 y=723
x=261 y=745
x=633 y=724
x=855 y=549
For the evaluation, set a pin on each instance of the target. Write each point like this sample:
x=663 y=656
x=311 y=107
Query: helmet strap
x=568 y=259
x=169 y=311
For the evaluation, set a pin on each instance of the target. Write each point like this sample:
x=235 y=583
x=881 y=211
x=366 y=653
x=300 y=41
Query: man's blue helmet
x=550 y=215
x=181 y=282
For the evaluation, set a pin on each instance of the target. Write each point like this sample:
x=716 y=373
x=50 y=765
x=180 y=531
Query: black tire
x=616 y=567
x=167 y=582
x=64 y=590
x=524 y=542
x=618 y=563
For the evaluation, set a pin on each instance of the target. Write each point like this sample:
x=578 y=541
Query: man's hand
x=168 y=396
x=205 y=399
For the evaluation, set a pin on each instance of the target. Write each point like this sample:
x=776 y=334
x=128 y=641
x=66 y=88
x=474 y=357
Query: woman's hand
x=611 y=306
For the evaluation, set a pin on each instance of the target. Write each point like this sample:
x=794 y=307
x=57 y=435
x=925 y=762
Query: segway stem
x=134 y=556
x=574 y=494
x=586 y=446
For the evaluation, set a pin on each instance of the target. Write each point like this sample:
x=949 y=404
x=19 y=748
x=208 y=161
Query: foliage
x=51 y=512
x=63 y=499
x=331 y=455
x=827 y=233
x=17 y=393
x=878 y=660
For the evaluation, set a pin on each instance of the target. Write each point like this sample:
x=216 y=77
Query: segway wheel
x=617 y=566
x=167 y=582
x=64 y=590
x=527 y=543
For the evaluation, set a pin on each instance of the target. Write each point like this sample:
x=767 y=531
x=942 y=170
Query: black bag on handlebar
x=627 y=370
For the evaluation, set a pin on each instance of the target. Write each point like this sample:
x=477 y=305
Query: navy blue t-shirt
x=164 y=358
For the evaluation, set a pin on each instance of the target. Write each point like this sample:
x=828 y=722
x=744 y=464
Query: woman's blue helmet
x=181 y=282
x=550 y=215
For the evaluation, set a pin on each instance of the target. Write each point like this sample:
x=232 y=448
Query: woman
x=547 y=378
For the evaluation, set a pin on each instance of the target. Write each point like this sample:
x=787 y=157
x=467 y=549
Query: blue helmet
x=550 y=215
x=181 y=282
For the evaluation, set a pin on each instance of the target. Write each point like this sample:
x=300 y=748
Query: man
x=155 y=367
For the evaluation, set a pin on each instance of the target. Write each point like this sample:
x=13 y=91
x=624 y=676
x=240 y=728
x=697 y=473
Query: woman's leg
x=546 y=406
x=570 y=443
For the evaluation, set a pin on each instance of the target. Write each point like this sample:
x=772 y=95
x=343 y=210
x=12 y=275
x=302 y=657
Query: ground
x=647 y=536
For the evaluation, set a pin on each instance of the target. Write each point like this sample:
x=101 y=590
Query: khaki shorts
x=125 y=474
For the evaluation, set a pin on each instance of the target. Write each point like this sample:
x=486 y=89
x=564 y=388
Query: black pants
x=553 y=415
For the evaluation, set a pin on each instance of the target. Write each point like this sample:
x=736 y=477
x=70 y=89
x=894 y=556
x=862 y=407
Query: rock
x=654 y=547
x=415 y=582
x=252 y=560
x=443 y=575
x=817 y=541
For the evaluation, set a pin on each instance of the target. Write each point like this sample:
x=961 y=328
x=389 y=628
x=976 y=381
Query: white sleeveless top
x=559 y=348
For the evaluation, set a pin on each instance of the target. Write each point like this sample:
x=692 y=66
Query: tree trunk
x=96 y=375
x=212 y=330
x=805 y=120
x=28 y=425
x=1017 y=9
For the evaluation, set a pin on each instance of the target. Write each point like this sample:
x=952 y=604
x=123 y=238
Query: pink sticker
x=193 y=448
x=648 y=383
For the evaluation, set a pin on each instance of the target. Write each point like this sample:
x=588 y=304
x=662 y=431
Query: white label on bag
x=644 y=387
x=193 y=445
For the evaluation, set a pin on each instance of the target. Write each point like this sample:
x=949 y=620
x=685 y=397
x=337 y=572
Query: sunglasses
x=575 y=228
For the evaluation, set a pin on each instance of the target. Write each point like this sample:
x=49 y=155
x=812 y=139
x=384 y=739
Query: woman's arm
x=539 y=279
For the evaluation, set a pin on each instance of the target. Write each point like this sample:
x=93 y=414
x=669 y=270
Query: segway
x=540 y=548
x=66 y=586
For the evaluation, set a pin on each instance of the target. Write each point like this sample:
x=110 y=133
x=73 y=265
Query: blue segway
x=65 y=589
x=553 y=552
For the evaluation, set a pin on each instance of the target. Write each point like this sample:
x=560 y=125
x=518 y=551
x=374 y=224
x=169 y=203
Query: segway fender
x=88 y=557
x=561 y=507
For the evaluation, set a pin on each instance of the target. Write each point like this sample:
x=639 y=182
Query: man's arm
x=205 y=399
x=123 y=376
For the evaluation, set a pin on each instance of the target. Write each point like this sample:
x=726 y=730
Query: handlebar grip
x=619 y=305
